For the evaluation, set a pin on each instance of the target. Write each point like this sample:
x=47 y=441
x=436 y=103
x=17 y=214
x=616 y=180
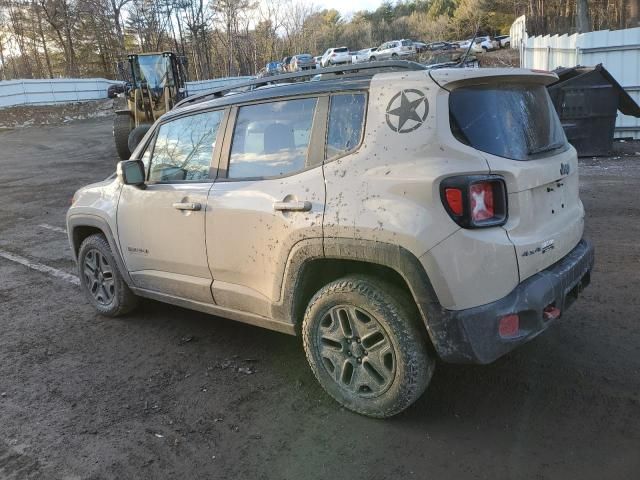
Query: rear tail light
x=475 y=201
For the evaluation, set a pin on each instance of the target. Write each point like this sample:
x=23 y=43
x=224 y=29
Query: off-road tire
x=136 y=135
x=122 y=299
x=122 y=126
x=395 y=312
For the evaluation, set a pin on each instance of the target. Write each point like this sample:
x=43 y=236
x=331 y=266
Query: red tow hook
x=550 y=312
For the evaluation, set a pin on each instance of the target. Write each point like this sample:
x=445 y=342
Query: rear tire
x=365 y=347
x=122 y=126
x=394 y=56
x=372 y=59
x=100 y=279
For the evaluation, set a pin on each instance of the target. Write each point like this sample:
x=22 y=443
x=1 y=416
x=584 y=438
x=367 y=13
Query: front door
x=161 y=228
x=269 y=195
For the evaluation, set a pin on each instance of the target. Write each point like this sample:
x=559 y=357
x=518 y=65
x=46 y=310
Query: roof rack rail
x=275 y=79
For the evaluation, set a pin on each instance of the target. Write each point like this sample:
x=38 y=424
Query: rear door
x=514 y=125
x=161 y=228
x=269 y=195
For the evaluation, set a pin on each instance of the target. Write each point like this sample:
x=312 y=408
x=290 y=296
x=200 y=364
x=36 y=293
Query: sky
x=347 y=6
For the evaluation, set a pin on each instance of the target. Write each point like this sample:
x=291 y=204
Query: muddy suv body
x=388 y=214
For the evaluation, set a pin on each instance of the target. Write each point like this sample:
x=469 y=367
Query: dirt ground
x=37 y=115
x=171 y=393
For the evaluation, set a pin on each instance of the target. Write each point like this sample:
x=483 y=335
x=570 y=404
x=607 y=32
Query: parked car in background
x=270 y=69
x=115 y=89
x=362 y=55
x=503 y=40
x=484 y=44
x=286 y=61
x=464 y=44
x=335 y=56
x=395 y=49
x=435 y=46
x=420 y=46
x=302 y=61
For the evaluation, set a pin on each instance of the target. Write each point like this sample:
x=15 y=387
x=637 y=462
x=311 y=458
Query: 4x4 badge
x=564 y=169
x=407 y=110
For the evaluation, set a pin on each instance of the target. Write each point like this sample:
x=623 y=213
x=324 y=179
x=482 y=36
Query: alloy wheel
x=99 y=278
x=356 y=351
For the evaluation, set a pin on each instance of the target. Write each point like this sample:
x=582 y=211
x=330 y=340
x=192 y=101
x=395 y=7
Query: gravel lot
x=171 y=393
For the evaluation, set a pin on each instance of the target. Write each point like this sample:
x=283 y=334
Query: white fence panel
x=51 y=91
x=68 y=90
x=204 y=85
x=618 y=51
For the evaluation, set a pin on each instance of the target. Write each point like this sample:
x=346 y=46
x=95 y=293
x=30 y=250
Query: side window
x=184 y=147
x=346 y=118
x=271 y=139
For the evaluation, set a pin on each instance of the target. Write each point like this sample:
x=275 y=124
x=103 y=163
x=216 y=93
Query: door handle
x=187 y=206
x=292 y=206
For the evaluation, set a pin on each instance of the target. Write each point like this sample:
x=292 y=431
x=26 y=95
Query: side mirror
x=131 y=172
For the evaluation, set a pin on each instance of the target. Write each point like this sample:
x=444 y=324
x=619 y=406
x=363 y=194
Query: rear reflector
x=509 y=325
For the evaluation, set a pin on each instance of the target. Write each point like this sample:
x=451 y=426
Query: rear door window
x=346 y=120
x=271 y=139
x=514 y=121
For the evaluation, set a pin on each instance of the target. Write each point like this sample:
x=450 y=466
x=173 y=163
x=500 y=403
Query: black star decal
x=406 y=111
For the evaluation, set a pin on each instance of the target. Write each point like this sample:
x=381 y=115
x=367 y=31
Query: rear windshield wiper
x=546 y=148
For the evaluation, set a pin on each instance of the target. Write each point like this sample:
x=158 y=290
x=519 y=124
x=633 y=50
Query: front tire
x=100 y=279
x=364 y=346
x=122 y=126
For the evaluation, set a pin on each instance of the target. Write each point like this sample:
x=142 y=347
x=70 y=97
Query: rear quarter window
x=346 y=122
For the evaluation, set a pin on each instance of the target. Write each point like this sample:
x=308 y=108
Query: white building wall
x=618 y=51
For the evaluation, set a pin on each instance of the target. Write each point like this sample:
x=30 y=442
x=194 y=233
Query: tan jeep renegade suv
x=388 y=214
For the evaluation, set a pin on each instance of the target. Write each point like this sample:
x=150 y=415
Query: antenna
x=466 y=54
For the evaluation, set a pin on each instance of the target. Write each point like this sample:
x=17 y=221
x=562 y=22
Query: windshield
x=508 y=120
x=155 y=70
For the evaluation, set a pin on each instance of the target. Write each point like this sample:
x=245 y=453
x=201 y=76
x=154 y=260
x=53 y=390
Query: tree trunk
x=582 y=16
x=45 y=49
x=634 y=14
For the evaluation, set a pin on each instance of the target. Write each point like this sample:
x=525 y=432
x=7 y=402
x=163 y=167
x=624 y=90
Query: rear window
x=406 y=43
x=512 y=121
x=341 y=50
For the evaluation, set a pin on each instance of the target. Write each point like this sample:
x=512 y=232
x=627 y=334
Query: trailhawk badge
x=407 y=110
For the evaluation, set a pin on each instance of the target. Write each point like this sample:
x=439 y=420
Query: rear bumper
x=472 y=335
